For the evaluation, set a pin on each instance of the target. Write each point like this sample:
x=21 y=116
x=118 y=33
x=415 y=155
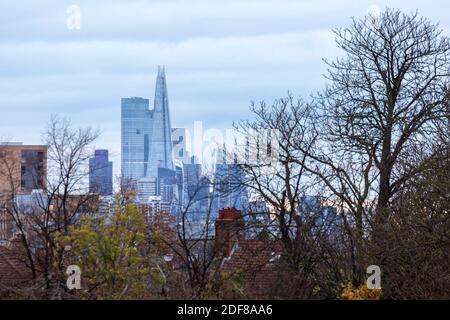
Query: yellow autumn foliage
x=360 y=293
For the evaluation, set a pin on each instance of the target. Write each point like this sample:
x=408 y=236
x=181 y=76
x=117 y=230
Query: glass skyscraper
x=147 y=143
x=136 y=134
x=161 y=139
x=229 y=190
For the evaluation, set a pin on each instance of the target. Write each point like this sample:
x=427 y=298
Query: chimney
x=229 y=227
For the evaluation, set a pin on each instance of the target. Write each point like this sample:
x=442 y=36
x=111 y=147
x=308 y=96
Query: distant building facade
x=136 y=134
x=101 y=173
x=196 y=189
x=229 y=190
x=23 y=168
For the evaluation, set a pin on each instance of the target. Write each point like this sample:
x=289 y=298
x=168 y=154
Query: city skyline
x=146 y=139
x=216 y=151
x=214 y=69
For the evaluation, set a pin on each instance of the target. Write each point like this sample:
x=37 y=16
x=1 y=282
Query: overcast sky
x=219 y=55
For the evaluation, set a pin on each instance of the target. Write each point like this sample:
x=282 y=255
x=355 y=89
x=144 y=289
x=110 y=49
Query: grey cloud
x=219 y=55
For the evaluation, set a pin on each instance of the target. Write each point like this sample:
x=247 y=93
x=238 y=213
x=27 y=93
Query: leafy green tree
x=114 y=256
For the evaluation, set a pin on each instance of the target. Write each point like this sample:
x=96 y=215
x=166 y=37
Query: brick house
x=14 y=273
x=257 y=260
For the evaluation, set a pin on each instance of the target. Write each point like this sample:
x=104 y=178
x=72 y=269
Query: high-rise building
x=161 y=138
x=196 y=186
x=167 y=185
x=179 y=181
x=136 y=135
x=229 y=190
x=147 y=158
x=101 y=173
x=221 y=186
x=147 y=188
x=182 y=161
x=196 y=200
x=23 y=168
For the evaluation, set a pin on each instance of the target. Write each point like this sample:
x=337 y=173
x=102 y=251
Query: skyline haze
x=218 y=58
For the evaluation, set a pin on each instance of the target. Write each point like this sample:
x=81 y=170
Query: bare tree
x=45 y=215
x=385 y=97
x=302 y=223
x=191 y=242
x=348 y=180
x=419 y=261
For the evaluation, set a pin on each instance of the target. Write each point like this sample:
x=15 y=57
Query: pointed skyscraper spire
x=161 y=141
x=161 y=96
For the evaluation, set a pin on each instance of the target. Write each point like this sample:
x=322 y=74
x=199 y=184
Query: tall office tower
x=196 y=186
x=136 y=135
x=229 y=190
x=167 y=184
x=238 y=193
x=147 y=143
x=192 y=174
x=179 y=181
x=221 y=188
x=101 y=173
x=196 y=199
x=181 y=158
x=161 y=138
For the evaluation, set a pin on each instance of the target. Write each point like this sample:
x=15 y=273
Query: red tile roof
x=13 y=271
x=258 y=261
